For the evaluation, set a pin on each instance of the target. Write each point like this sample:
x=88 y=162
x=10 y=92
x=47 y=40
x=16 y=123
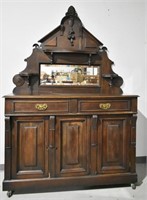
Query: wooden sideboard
x=68 y=140
x=69 y=129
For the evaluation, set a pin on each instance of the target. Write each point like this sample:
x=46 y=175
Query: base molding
x=139 y=159
x=55 y=183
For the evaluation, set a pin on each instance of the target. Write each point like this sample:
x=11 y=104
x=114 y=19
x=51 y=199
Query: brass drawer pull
x=41 y=106
x=105 y=106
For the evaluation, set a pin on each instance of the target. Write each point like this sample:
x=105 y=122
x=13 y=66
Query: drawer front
x=103 y=105
x=56 y=106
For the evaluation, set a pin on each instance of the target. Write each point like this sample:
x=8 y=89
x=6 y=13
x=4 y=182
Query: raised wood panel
x=113 y=141
x=70 y=140
x=72 y=146
x=29 y=142
x=114 y=138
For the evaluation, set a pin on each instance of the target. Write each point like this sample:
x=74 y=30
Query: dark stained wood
x=69 y=43
x=61 y=136
x=72 y=143
x=51 y=147
x=133 y=144
x=114 y=149
x=94 y=144
x=8 y=148
x=29 y=143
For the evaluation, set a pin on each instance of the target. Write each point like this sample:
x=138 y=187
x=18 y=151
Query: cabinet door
x=72 y=146
x=29 y=142
x=114 y=137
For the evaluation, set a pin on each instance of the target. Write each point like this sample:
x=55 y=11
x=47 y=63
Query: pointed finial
x=71 y=11
x=35 y=45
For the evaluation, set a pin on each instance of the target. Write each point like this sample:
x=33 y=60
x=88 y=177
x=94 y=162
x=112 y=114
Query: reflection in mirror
x=55 y=74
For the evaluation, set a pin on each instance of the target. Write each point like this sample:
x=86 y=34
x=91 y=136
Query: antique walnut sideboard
x=67 y=123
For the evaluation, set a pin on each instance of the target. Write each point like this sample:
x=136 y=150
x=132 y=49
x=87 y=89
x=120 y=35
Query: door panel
x=114 y=136
x=72 y=146
x=30 y=158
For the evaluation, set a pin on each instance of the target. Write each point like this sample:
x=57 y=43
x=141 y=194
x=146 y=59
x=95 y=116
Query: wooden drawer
x=52 y=106
x=103 y=105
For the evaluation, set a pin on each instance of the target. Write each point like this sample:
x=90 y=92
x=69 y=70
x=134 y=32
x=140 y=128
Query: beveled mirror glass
x=56 y=74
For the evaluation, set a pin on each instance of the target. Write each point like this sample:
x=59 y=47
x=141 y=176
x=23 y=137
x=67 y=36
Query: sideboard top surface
x=65 y=96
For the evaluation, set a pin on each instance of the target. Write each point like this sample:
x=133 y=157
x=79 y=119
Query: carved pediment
x=70 y=36
x=73 y=47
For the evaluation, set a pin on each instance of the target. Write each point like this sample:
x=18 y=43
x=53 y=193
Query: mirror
x=56 y=74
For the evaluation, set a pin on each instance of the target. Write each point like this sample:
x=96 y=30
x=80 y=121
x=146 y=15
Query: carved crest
x=69 y=43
